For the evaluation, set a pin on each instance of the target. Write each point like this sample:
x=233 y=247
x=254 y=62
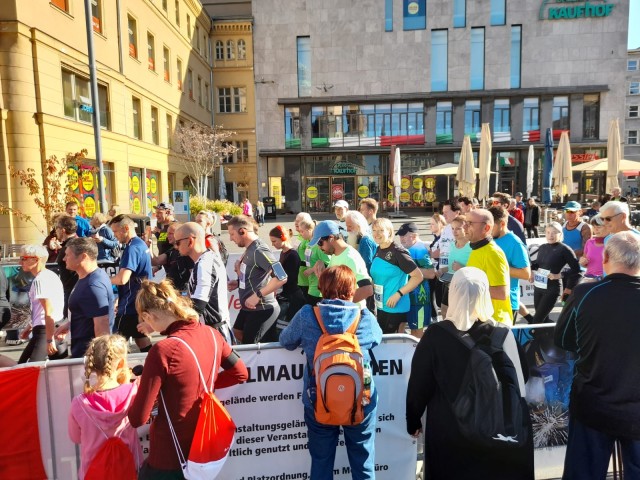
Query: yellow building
x=153 y=63
x=233 y=87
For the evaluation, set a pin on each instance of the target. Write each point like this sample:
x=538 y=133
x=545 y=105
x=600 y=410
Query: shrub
x=200 y=203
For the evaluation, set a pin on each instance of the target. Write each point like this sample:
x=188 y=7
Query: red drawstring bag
x=113 y=461
x=214 y=433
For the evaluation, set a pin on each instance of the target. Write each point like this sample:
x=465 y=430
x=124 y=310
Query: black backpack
x=489 y=408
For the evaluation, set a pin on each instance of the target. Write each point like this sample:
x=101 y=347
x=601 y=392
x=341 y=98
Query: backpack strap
x=498 y=337
x=316 y=310
x=463 y=337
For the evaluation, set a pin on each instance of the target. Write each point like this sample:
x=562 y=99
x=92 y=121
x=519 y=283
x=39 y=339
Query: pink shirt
x=593 y=251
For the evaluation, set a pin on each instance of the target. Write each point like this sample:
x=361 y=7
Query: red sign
x=337 y=191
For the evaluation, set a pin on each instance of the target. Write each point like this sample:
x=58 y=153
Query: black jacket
x=600 y=323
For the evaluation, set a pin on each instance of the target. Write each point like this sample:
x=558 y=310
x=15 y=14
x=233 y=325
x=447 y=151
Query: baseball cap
x=573 y=206
x=164 y=206
x=407 y=228
x=324 y=229
x=341 y=203
x=519 y=194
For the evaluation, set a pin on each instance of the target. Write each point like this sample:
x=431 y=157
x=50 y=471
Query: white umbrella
x=484 y=162
x=466 y=174
x=396 y=174
x=530 y=161
x=562 y=173
x=614 y=155
x=602 y=165
x=222 y=187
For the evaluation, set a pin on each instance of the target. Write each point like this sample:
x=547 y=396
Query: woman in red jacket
x=170 y=368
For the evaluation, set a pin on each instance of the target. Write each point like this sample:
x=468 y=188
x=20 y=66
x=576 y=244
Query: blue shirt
x=517 y=257
x=83 y=229
x=390 y=272
x=91 y=297
x=367 y=250
x=573 y=238
x=419 y=252
x=136 y=257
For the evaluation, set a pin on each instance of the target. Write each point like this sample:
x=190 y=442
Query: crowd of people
x=327 y=275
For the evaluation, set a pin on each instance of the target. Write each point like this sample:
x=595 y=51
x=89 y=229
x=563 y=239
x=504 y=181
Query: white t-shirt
x=446 y=240
x=46 y=285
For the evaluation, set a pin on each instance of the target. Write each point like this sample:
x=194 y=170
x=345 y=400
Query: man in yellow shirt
x=488 y=257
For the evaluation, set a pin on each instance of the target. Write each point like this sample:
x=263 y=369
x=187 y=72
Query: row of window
x=414 y=14
x=403 y=123
x=230 y=52
x=241 y=155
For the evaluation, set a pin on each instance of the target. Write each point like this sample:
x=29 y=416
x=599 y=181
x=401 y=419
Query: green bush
x=199 y=203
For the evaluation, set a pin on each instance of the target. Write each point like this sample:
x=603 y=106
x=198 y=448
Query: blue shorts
x=419 y=316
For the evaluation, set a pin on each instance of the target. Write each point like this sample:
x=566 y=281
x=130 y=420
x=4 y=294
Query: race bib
x=444 y=261
x=378 y=295
x=307 y=256
x=540 y=278
x=241 y=277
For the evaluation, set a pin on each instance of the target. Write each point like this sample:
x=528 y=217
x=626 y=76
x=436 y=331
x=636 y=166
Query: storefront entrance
x=320 y=193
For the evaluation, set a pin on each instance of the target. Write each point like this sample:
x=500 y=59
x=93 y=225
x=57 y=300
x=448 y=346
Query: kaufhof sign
x=572 y=9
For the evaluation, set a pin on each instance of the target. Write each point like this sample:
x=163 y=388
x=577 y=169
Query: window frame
x=166 y=63
x=242 y=49
x=515 y=59
x=155 y=127
x=133 y=35
x=590 y=133
x=637 y=111
x=632 y=137
x=530 y=110
x=73 y=83
x=190 y=84
x=179 y=66
x=435 y=83
x=200 y=95
x=633 y=61
x=230 y=50
x=476 y=60
x=634 y=88
x=169 y=129
x=136 y=117
x=97 y=8
x=561 y=109
x=499 y=109
x=151 y=51
x=177 y=8
x=219 y=50
x=235 y=98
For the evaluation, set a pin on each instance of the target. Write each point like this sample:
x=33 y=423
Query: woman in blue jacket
x=104 y=237
x=338 y=312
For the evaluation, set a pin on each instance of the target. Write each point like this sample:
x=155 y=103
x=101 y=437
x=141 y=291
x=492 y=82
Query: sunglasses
x=322 y=240
x=22 y=259
x=177 y=242
x=608 y=219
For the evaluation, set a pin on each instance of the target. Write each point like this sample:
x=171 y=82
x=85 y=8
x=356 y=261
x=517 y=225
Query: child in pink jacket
x=101 y=412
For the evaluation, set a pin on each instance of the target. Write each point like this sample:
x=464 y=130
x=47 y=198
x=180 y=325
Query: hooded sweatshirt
x=337 y=316
x=106 y=411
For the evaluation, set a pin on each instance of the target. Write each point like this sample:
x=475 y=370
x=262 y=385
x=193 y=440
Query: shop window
x=444 y=122
x=439 y=65
x=77 y=101
x=477 y=59
x=137 y=120
x=219 y=50
x=133 y=36
x=292 y=127
x=151 y=49
x=242 y=50
x=560 y=114
x=516 y=55
x=591 y=116
x=303 y=45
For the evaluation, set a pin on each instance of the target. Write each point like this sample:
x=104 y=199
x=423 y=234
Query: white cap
x=341 y=203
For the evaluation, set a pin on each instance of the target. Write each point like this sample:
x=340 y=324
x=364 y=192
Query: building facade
x=154 y=72
x=632 y=120
x=340 y=83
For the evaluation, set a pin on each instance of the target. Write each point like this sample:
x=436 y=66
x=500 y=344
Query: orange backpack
x=338 y=366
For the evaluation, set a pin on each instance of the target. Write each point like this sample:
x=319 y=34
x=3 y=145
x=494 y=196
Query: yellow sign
x=413 y=8
x=312 y=192
x=72 y=179
x=154 y=185
x=389 y=186
x=406 y=183
x=417 y=183
x=87 y=180
x=147 y=184
x=391 y=198
x=430 y=197
x=149 y=204
x=154 y=202
x=417 y=197
x=135 y=184
x=405 y=197
x=363 y=191
x=136 y=206
x=89 y=207
x=430 y=182
x=129 y=183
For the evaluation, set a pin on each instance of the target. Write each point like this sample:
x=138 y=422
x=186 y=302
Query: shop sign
x=417 y=197
x=391 y=198
x=72 y=179
x=430 y=197
x=337 y=191
x=363 y=191
x=417 y=183
x=87 y=180
x=577 y=9
x=312 y=192
x=405 y=197
x=135 y=184
x=343 y=168
x=89 y=206
x=136 y=206
x=147 y=185
x=405 y=183
x=154 y=185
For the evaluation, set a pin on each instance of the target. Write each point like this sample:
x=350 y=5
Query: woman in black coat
x=532 y=218
x=437 y=370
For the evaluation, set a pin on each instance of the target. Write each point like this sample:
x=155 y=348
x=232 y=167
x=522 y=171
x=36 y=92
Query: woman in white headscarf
x=437 y=371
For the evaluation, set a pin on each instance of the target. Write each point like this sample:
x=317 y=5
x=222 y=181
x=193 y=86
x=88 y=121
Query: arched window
x=219 y=50
x=242 y=50
x=231 y=54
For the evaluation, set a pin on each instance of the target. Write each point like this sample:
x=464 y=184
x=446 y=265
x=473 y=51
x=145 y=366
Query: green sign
x=343 y=168
x=572 y=9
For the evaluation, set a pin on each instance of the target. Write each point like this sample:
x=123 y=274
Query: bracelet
x=400 y=293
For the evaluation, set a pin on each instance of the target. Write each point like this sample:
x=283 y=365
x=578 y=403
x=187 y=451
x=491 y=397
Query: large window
x=219 y=50
x=96 y=13
x=439 y=65
x=498 y=12
x=632 y=137
x=242 y=50
x=531 y=120
x=516 y=56
x=151 y=48
x=304 y=66
x=292 y=127
x=155 y=132
x=591 y=116
x=415 y=14
x=179 y=73
x=501 y=120
x=232 y=99
x=472 y=123
x=477 y=58
x=388 y=15
x=459 y=13
x=78 y=104
x=133 y=36
x=632 y=111
x=242 y=152
x=634 y=88
x=166 y=64
x=137 y=120
x=632 y=65
x=560 y=115
x=444 y=122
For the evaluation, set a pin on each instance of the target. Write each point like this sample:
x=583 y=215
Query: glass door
x=343 y=188
x=368 y=187
x=317 y=195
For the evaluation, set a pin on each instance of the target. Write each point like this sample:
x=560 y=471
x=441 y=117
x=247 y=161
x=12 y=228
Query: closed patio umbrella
x=562 y=173
x=484 y=161
x=222 y=186
x=466 y=174
x=547 y=166
x=613 y=155
x=530 y=161
x=395 y=170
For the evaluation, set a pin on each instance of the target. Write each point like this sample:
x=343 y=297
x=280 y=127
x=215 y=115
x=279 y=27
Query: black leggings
x=532 y=232
x=258 y=326
x=37 y=348
x=544 y=301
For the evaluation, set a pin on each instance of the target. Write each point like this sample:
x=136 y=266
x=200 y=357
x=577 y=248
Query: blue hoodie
x=337 y=315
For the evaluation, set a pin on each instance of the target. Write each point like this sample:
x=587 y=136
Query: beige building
x=153 y=63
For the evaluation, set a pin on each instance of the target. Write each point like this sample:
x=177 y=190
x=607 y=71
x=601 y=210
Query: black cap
x=407 y=228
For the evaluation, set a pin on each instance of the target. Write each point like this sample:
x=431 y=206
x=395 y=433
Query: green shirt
x=352 y=259
x=303 y=280
x=316 y=254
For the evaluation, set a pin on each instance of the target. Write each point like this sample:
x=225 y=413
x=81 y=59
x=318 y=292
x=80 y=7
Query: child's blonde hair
x=102 y=357
x=163 y=297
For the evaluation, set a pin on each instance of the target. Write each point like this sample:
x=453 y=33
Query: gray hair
x=557 y=227
x=623 y=248
x=34 y=251
x=99 y=218
x=123 y=221
x=617 y=207
x=303 y=216
x=82 y=245
x=359 y=220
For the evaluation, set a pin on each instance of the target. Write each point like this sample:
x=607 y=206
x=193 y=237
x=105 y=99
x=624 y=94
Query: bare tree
x=202 y=148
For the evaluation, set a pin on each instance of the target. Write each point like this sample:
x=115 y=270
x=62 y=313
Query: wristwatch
x=400 y=293
x=259 y=294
